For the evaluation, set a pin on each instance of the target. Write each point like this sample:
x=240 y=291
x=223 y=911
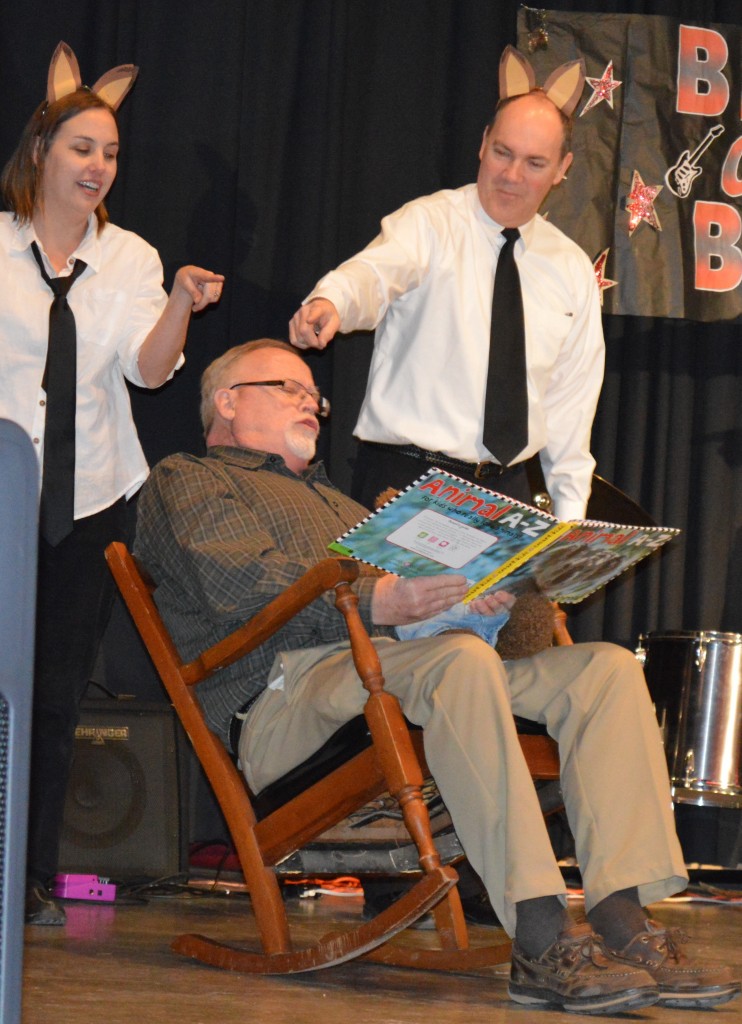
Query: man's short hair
x=216 y=374
x=567 y=121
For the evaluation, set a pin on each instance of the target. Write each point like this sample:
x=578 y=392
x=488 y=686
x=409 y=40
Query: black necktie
x=506 y=401
x=60 y=384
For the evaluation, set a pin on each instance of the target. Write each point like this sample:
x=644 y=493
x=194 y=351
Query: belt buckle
x=481 y=470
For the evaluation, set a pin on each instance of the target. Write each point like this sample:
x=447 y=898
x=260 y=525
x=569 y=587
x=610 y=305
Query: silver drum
x=695 y=680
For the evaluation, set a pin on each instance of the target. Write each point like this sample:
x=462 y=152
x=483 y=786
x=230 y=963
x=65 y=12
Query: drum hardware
x=689 y=776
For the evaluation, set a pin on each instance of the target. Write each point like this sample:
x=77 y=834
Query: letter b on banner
x=702 y=88
x=717 y=228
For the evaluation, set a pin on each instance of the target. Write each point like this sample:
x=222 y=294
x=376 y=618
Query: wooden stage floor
x=113 y=965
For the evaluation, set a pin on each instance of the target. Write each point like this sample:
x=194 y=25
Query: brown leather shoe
x=576 y=974
x=682 y=982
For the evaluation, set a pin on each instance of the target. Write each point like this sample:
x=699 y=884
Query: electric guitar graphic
x=680 y=177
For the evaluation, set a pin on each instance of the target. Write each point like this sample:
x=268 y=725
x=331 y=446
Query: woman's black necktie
x=506 y=400
x=60 y=384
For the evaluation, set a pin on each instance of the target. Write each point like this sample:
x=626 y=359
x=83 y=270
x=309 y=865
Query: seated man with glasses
x=224 y=534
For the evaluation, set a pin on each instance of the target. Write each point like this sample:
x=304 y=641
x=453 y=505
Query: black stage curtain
x=266 y=140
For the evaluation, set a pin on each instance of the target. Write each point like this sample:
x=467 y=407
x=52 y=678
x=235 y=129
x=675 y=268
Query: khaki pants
x=592 y=699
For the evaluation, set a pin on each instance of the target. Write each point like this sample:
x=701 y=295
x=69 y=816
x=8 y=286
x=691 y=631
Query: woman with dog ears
x=82 y=310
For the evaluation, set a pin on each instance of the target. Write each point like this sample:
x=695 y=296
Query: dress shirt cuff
x=135 y=377
x=364 y=591
x=568 y=510
x=334 y=294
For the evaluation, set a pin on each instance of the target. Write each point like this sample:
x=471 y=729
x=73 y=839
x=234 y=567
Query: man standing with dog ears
x=480 y=306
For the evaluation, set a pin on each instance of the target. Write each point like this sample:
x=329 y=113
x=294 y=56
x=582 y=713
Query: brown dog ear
x=64 y=78
x=564 y=86
x=517 y=77
x=115 y=84
x=64 y=74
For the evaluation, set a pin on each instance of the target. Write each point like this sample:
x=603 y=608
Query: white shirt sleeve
x=394 y=263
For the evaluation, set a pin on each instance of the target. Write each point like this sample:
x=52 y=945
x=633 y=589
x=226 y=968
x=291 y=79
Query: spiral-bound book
x=444 y=524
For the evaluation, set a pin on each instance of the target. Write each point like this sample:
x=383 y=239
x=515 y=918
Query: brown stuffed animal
x=529 y=629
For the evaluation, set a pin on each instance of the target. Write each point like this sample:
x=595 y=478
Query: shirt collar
x=89 y=248
x=493 y=229
x=251 y=458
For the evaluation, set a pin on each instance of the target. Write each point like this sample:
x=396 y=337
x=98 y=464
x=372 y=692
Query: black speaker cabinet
x=125 y=811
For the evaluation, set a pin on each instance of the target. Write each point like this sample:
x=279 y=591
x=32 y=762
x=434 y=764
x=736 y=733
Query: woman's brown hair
x=23 y=173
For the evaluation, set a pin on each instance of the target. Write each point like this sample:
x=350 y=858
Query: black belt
x=238 y=720
x=479 y=470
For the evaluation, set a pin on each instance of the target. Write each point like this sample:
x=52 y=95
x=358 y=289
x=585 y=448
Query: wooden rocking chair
x=393 y=762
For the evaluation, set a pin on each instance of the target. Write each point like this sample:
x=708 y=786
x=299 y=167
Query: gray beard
x=301 y=445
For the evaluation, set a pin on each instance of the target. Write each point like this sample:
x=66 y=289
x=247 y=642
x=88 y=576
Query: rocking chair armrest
x=323 y=576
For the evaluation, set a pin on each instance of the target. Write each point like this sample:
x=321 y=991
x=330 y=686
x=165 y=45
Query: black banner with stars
x=653 y=195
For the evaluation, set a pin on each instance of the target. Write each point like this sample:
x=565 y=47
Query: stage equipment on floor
x=125 y=815
x=695 y=680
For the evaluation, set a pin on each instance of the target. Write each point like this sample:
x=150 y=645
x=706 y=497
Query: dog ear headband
x=64 y=78
x=563 y=86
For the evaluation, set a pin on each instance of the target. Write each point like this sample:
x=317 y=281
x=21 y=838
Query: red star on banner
x=640 y=204
x=599 y=268
x=602 y=89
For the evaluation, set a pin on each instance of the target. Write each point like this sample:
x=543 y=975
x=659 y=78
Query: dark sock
x=538 y=922
x=618 y=918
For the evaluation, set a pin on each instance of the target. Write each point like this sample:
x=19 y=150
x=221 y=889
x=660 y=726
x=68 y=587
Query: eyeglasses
x=289 y=387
